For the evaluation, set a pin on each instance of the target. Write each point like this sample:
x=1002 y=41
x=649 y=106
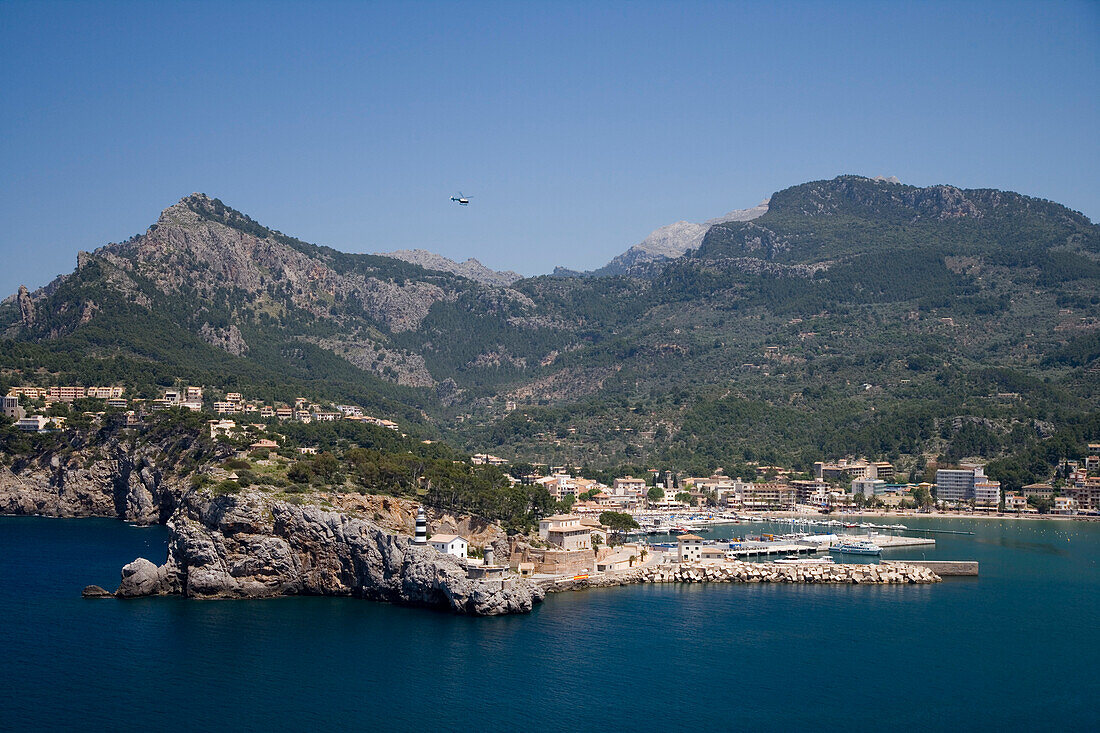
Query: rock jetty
x=757 y=572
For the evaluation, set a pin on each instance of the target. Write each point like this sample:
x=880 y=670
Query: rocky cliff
x=250 y=546
x=257 y=545
x=123 y=484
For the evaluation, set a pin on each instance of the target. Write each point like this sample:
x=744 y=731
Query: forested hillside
x=856 y=316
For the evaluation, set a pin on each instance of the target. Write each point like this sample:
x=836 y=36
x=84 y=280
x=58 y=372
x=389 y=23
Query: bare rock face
x=26 y=306
x=229 y=339
x=201 y=244
x=88 y=311
x=59 y=491
x=397 y=365
x=122 y=485
x=674 y=240
x=141 y=503
x=245 y=547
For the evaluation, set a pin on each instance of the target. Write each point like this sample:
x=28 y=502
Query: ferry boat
x=857 y=547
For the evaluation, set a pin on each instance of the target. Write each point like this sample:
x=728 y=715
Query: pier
x=939 y=531
x=889 y=541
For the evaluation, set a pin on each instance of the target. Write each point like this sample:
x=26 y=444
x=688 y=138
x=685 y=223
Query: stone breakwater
x=753 y=572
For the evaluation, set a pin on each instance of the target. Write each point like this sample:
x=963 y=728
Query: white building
x=690 y=548
x=1064 y=505
x=957 y=484
x=221 y=427
x=565 y=531
x=450 y=544
x=33 y=423
x=987 y=492
x=868 y=486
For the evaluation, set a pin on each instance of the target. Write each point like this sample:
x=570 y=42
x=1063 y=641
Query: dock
x=886 y=541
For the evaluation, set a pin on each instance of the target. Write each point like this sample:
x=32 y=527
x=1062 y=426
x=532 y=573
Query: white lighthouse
x=421 y=527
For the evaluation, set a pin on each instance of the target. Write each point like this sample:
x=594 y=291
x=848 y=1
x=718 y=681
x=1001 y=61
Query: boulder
x=94 y=591
x=143 y=578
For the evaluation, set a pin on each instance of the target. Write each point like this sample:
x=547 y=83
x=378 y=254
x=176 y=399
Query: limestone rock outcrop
x=26 y=306
x=250 y=546
x=228 y=339
x=471 y=268
x=143 y=578
x=115 y=480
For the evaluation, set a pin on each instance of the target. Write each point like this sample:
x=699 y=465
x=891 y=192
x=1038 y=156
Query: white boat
x=796 y=560
x=856 y=547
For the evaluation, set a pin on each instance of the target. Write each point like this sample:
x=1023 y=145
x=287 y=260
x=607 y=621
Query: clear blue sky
x=577 y=127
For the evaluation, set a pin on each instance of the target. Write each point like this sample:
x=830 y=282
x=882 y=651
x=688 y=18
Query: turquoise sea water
x=1016 y=649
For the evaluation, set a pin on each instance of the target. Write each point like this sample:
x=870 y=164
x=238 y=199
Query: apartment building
x=958 y=484
x=65 y=394
x=987 y=492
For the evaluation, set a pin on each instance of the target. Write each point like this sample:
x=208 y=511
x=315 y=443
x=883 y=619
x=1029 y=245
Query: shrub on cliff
x=227 y=487
x=299 y=473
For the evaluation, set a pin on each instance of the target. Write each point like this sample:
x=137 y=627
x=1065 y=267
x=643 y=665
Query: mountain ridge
x=470 y=268
x=758 y=337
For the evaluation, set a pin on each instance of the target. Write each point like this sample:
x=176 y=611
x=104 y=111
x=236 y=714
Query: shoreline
x=934 y=515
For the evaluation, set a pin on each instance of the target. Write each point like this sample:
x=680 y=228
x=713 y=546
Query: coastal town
x=598 y=529
x=842 y=485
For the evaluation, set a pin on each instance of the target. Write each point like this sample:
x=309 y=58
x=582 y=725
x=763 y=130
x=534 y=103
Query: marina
x=767 y=545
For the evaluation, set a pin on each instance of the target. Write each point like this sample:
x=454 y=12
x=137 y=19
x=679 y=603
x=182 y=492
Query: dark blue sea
x=1016 y=649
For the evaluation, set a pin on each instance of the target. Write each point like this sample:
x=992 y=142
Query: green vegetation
x=618 y=521
x=855 y=317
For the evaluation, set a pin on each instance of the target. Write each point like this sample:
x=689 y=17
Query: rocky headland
x=257 y=544
x=250 y=546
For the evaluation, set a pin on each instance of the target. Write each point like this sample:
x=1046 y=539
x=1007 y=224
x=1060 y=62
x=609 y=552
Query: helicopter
x=462 y=200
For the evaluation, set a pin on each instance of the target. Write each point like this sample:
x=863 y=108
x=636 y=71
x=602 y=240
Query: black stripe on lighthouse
x=421 y=527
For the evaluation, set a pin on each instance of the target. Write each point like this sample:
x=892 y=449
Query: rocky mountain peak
x=675 y=240
x=188 y=210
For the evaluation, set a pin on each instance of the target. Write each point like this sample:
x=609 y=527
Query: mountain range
x=847 y=316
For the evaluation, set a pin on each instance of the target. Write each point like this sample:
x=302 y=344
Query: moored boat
x=856 y=547
x=796 y=560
